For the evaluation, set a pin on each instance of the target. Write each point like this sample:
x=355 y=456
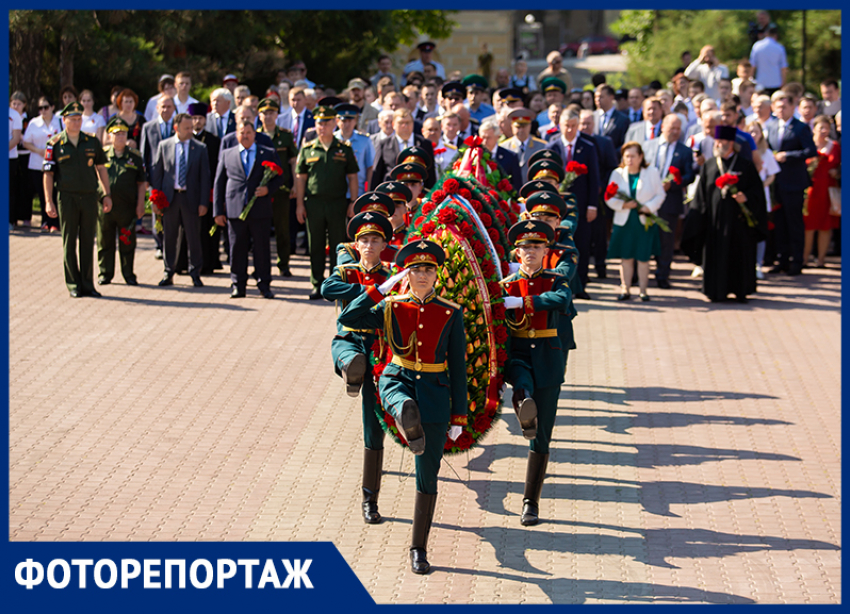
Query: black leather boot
x=526 y=412
x=353 y=374
x=373 y=461
x=534 y=474
x=410 y=423
x=423 y=514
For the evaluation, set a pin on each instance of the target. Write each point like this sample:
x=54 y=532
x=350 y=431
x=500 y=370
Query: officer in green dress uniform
x=370 y=202
x=127 y=178
x=284 y=144
x=401 y=195
x=326 y=169
x=424 y=386
x=351 y=349
x=536 y=299
x=76 y=162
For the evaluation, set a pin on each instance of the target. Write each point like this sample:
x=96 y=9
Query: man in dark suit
x=387 y=150
x=232 y=139
x=209 y=244
x=650 y=127
x=635 y=110
x=490 y=132
x=571 y=145
x=181 y=170
x=608 y=161
x=301 y=118
x=792 y=144
x=665 y=153
x=153 y=132
x=609 y=121
x=237 y=180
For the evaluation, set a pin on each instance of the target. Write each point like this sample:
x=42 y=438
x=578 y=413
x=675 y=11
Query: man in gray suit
x=181 y=170
x=650 y=127
x=522 y=143
x=154 y=131
x=221 y=121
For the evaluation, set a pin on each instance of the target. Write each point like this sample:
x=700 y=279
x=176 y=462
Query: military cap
x=346 y=110
x=420 y=252
x=370 y=222
x=453 y=88
x=414 y=154
x=358 y=84
x=547 y=203
x=409 y=172
x=116 y=124
x=545 y=154
x=396 y=190
x=510 y=94
x=550 y=84
x=377 y=202
x=521 y=116
x=268 y=103
x=72 y=108
x=533 y=187
x=426 y=46
x=546 y=169
x=198 y=109
x=325 y=111
x=475 y=82
x=724 y=133
x=531 y=231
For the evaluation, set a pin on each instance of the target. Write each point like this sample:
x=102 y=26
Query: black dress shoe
x=131 y=282
x=166 y=281
x=795 y=270
x=315 y=295
x=418 y=561
x=267 y=293
x=75 y=293
x=353 y=374
x=102 y=281
x=196 y=281
x=601 y=275
x=93 y=293
x=530 y=513
x=582 y=295
x=663 y=284
x=285 y=272
x=237 y=293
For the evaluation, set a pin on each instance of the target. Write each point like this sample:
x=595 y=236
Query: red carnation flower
x=499 y=310
x=493 y=166
x=429 y=227
x=494 y=236
x=495 y=290
x=464 y=441
x=465 y=193
x=500 y=333
x=476 y=204
x=478 y=248
x=576 y=167
x=447 y=216
x=451 y=186
x=677 y=175
x=158 y=199
x=486 y=220
x=124 y=240
x=504 y=185
x=472 y=141
x=466 y=229
x=438 y=196
x=273 y=167
x=611 y=191
x=439 y=151
x=500 y=250
x=482 y=423
x=428 y=207
x=488 y=268
x=501 y=356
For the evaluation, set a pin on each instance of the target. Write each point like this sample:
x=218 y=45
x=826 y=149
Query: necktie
x=521 y=149
x=246 y=161
x=220 y=127
x=162 y=130
x=661 y=157
x=183 y=166
x=652 y=133
x=295 y=129
x=781 y=131
x=569 y=152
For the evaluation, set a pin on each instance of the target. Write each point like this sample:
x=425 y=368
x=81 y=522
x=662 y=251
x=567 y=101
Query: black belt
x=179 y=191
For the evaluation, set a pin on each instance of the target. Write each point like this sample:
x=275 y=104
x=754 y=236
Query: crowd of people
x=791 y=136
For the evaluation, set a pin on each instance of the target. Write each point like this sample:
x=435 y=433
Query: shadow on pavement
x=652 y=394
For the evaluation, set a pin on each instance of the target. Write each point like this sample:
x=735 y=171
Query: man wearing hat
x=717 y=235
x=553 y=90
x=351 y=349
x=522 y=143
x=284 y=144
x=452 y=93
x=356 y=96
x=127 y=184
x=426 y=51
x=364 y=151
x=199 y=112
x=76 y=163
x=536 y=299
x=387 y=151
x=412 y=175
x=476 y=93
x=510 y=97
x=230 y=82
x=401 y=196
x=381 y=203
x=326 y=172
x=424 y=385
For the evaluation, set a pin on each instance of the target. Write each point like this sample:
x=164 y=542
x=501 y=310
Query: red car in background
x=591 y=45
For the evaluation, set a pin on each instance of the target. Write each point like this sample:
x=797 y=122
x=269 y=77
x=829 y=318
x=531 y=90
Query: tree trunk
x=25 y=50
x=66 y=61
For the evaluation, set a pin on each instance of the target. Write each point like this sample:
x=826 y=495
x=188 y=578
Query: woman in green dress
x=630 y=239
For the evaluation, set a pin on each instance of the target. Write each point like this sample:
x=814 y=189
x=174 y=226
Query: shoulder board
x=349 y=265
x=400 y=297
x=134 y=151
x=448 y=302
x=450 y=146
x=510 y=278
x=284 y=129
x=551 y=273
x=361 y=133
x=536 y=140
x=55 y=139
x=560 y=246
x=311 y=143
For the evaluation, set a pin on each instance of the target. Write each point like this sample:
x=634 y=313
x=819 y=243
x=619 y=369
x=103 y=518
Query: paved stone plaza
x=696 y=456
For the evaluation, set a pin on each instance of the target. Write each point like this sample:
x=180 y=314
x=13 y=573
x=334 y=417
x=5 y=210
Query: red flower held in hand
x=447 y=216
x=273 y=167
x=576 y=167
x=439 y=151
x=451 y=186
x=726 y=179
x=611 y=191
x=472 y=141
x=158 y=199
x=676 y=175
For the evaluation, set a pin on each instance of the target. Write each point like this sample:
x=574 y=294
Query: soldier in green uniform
x=326 y=169
x=284 y=144
x=536 y=298
x=351 y=349
x=424 y=386
x=127 y=179
x=76 y=162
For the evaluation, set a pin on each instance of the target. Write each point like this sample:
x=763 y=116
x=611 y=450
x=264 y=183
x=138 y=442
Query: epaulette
x=54 y=139
x=285 y=129
x=361 y=133
x=134 y=151
x=552 y=273
x=348 y=265
x=534 y=138
x=311 y=143
x=510 y=278
x=447 y=302
x=397 y=297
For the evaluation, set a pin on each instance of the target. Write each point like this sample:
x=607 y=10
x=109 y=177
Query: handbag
x=835 y=200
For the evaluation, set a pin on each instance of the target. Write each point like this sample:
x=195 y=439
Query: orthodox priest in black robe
x=719 y=235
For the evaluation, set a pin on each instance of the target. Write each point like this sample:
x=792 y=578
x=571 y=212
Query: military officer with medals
x=326 y=172
x=370 y=202
x=284 y=144
x=351 y=349
x=127 y=184
x=76 y=163
x=523 y=143
x=424 y=386
x=536 y=299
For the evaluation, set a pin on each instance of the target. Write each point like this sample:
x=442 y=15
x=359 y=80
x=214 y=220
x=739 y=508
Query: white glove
x=513 y=266
x=455 y=431
x=513 y=302
x=392 y=281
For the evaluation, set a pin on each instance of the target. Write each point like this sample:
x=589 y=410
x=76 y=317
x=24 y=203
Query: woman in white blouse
x=38 y=132
x=93 y=123
x=630 y=240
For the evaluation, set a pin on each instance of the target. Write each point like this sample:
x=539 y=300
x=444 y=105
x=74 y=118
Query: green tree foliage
x=99 y=49
x=660 y=37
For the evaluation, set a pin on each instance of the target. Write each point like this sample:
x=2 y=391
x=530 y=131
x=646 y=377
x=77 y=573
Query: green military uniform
x=327 y=173
x=74 y=169
x=126 y=172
